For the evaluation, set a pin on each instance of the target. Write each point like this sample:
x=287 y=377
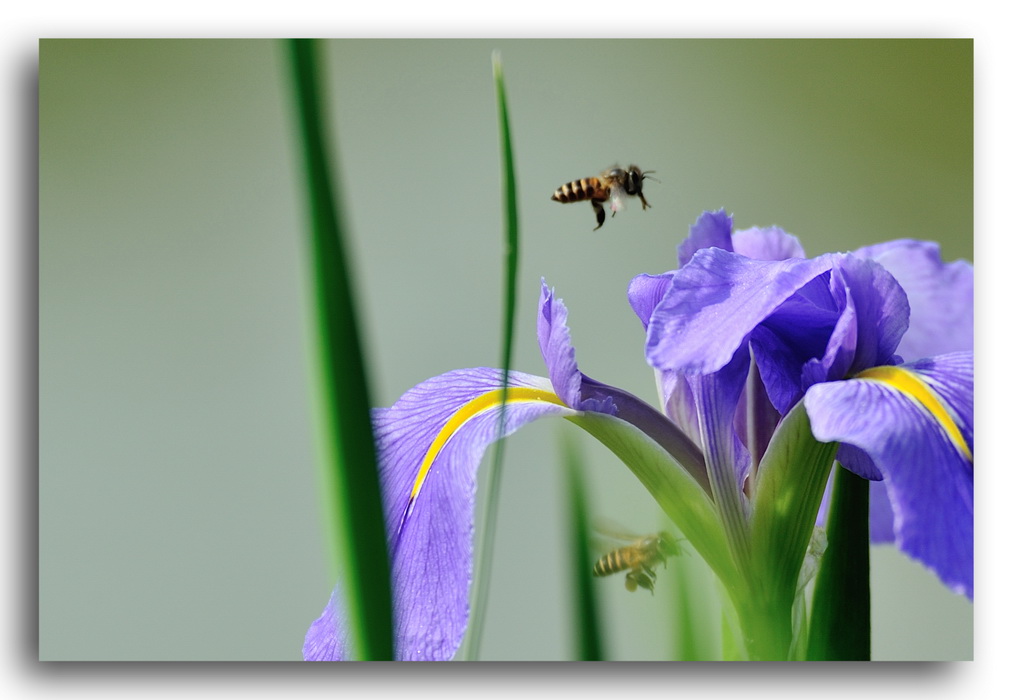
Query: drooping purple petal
x=928 y=478
x=430 y=518
x=859 y=462
x=951 y=377
x=881 y=519
x=715 y=302
x=712 y=229
x=328 y=638
x=432 y=559
x=940 y=296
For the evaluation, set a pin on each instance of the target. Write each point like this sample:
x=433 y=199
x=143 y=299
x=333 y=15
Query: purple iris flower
x=743 y=332
x=430 y=444
x=878 y=345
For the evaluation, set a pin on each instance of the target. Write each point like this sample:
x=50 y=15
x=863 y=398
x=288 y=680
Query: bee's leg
x=651 y=577
x=644 y=200
x=598 y=212
x=644 y=578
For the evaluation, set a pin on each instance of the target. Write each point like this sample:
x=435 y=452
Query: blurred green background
x=180 y=510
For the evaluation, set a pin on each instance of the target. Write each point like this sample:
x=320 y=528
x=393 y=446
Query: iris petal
x=951 y=377
x=940 y=296
x=715 y=302
x=430 y=533
x=880 y=514
x=645 y=293
x=727 y=461
x=557 y=348
x=712 y=229
x=770 y=243
x=926 y=474
x=881 y=310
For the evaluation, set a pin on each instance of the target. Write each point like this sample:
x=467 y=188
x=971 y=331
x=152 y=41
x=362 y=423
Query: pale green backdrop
x=180 y=515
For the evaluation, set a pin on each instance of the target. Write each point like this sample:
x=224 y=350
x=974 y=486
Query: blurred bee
x=614 y=183
x=639 y=558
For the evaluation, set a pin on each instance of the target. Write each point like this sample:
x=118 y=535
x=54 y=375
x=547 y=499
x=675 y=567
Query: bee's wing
x=609 y=530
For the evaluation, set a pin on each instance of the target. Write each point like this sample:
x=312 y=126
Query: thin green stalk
x=353 y=490
x=586 y=620
x=841 y=604
x=511 y=257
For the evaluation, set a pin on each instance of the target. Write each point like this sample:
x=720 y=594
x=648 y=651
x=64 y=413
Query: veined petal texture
x=715 y=302
x=921 y=440
x=430 y=444
x=557 y=348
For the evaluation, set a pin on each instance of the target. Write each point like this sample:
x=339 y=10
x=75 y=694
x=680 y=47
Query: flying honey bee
x=640 y=558
x=614 y=183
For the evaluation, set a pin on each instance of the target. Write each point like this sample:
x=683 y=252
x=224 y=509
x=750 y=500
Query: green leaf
x=353 y=490
x=841 y=604
x=510 y=264
x=586 y=619
x=679 y=495
x=791 y=481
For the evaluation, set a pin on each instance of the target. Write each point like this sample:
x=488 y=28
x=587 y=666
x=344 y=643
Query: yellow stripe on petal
x=911 y=385
x=488 y=400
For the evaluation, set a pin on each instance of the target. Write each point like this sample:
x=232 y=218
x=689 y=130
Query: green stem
x=767 y=629
x=841 y=604
x=790 y=486
x=511 y=257
x=352 y=478
x=586 y=620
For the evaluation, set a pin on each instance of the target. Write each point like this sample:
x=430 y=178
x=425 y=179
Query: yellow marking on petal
x=488 y=400
x=910 y=384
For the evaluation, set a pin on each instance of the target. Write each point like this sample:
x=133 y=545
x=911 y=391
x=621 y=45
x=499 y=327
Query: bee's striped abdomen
x=611 y=563
x=581 y=190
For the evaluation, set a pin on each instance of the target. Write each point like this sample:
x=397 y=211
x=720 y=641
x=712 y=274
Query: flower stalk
x=350 y=463
x=840 y=628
